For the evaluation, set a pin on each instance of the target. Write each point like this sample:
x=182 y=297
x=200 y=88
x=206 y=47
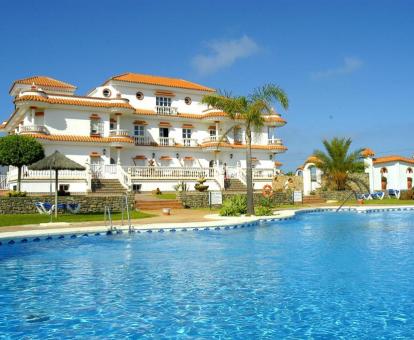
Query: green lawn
x=167 y=196
x=12 y=220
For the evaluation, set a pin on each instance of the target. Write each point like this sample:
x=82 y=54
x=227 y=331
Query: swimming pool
x=319 y=275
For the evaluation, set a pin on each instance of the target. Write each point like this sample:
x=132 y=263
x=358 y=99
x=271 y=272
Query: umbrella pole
x=56 y=193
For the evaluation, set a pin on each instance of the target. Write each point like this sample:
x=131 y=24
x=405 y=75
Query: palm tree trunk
x=249 y=177
x=19 y=177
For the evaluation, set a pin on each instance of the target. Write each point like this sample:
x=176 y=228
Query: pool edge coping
x=23 y=236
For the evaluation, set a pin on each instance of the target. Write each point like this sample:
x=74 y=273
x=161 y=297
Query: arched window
x=384 y=170
x=409 y=170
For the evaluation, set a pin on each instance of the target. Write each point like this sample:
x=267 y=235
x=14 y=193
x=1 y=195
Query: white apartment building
x=387 y=172
x=144 y=131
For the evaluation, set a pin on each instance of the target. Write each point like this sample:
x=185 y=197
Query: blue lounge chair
x=364 y=197
x=44 y=207
x=394 y=193
x=73 y=208
x=379 y=195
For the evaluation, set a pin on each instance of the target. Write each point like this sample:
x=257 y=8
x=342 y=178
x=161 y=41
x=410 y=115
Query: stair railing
x=346 y=199
x=108 y=219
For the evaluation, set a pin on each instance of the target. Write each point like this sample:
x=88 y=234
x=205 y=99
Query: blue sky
x=347 y=66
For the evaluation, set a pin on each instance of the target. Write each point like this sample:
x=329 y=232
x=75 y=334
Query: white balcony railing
x=219 y=138
x=166 y=141
x=166 y=110
x=33 y=129
x=143 y=140
x=274 y=141
x=45 y=174
x=192 y=142
x=119 y=133
x=263 y=173
x=170 y=172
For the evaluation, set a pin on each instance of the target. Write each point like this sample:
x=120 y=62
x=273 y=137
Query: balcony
x=166 y=110
x=274 y=141
x=118 y=133
x=33 y=129
x=191 y=142
x=219 y=138
x=143 y=140
x=166 y=141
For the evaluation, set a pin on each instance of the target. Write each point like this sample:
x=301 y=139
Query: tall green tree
x=249 y=110
x=18 y=150
x=338 y=163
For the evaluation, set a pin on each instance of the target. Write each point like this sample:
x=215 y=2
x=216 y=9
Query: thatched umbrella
x=56 y=161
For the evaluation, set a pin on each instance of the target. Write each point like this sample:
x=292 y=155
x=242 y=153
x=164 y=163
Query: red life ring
x=267 y=191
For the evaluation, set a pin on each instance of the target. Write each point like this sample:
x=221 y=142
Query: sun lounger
x=379 y=195
x=44 y=207
x=364 y=197
x=47 y=208
x=393 y=193
x=73 y=208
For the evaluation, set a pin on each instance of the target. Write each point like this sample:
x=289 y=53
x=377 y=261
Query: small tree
x=17 y=150
x=338 y=163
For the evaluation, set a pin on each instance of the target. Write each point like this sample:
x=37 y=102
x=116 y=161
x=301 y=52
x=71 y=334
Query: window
x=163 y=101
x=139 y=95
x=106 y=92
x=312 y=170
x=164 y=132
x=96 y=127
x=271 y=132
x=187 y=100
x=139 y=130
x=111 y=126
x=186 y=133
x=212 y=132
x=237 y=135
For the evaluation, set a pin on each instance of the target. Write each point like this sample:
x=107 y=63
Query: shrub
x=266 y=202
x=263 y=211
x=234 y=206
x=17 y=194
x=407 y=195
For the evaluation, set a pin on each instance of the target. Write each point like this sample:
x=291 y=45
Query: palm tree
x=338 y=163
x=250 y=110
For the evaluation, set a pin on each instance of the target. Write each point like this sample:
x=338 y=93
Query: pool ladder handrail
x=346 y=199
x=125 y=206
x=108 y=218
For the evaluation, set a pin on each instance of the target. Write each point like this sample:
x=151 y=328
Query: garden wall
x=89 y=204
x=200 y=199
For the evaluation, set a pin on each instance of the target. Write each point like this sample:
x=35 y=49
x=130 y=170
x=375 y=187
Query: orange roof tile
x=140 y=157
x=3 y=125
x=278 y=163
x=82 y=139
x=74 y=100
x=45 y=81
x=389 y=159
x=367 y=152
x=162 y=81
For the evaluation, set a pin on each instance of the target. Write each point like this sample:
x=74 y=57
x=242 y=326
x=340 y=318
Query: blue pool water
x=321 y=275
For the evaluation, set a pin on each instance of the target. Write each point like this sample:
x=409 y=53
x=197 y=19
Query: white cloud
x=223 y=53
x=350 y=65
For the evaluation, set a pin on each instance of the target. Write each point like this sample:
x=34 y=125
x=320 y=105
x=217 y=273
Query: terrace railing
x=274 y=141
x=192 y=142
x=118 y=133
x=143 y=140
x=166 y=110
x=169 y=172
x=166 y=141
x=33 y=129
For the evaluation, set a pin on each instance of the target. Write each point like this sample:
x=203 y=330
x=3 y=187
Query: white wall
x=396 y=175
